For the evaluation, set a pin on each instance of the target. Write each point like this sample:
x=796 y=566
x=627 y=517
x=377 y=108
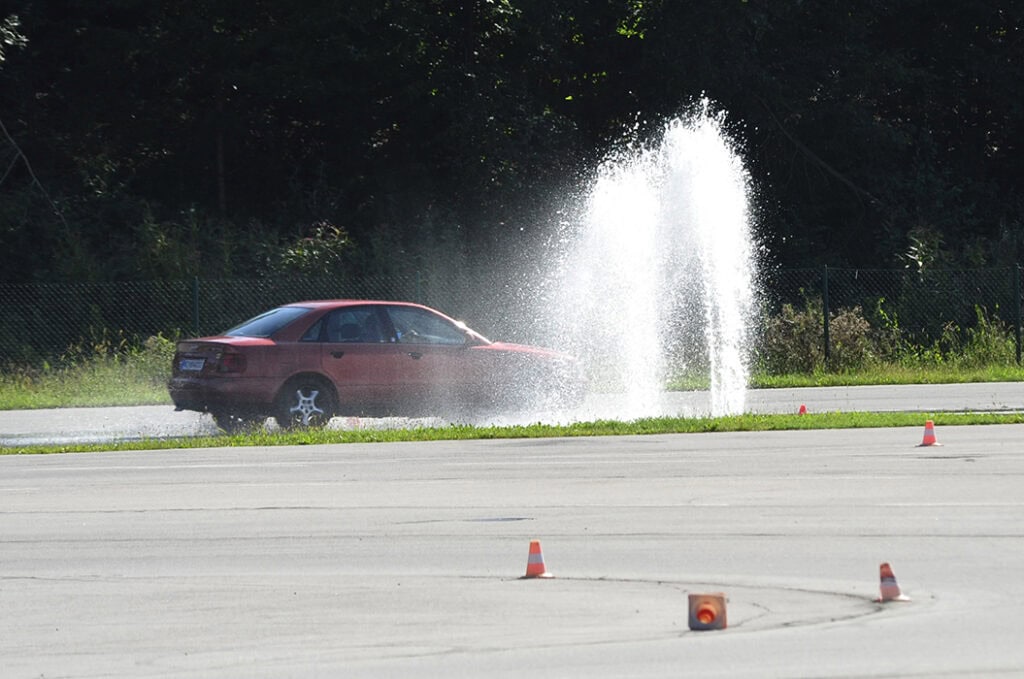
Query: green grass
x=893 y=374
x=659 y=425
x=948 y=373
x=109 y=382
x=108 y=373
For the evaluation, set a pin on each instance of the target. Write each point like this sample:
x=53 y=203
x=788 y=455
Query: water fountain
x=655 y=275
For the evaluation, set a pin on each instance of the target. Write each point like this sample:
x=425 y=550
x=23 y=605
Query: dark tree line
x=155 y=138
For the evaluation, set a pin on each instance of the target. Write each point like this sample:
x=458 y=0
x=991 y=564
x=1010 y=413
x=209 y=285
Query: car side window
x=419 y=326
x=314 y=333
x=357 y=324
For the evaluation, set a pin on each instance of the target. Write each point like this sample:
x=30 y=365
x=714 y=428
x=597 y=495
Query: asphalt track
x=404 y=560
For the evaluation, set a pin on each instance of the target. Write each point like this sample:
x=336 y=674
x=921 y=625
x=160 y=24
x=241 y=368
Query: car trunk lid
x=215 y=355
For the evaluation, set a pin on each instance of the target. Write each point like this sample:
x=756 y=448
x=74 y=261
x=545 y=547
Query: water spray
x=656 y=278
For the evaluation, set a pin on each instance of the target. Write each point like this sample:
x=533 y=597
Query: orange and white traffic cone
x=535 y=563
x=929 y=435
x=707 y=611
x=889 y=589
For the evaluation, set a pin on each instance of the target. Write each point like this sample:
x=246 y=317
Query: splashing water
x=656 y=276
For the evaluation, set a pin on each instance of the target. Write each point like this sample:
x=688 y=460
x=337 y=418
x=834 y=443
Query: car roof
x=336 y=303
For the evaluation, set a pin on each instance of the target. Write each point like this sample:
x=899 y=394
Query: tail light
x=231 y=362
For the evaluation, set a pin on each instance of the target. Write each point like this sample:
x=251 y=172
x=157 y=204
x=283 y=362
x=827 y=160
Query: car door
x=438 y=368
x=357 y=353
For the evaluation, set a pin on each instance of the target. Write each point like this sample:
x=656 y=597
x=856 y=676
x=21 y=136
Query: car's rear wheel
x=235 y=422
x=305 y=402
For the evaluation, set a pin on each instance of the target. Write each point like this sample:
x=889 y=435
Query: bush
x=850 y=339
x=990 y=342
x=108 y=370
x=154 y=358
x=794 y=340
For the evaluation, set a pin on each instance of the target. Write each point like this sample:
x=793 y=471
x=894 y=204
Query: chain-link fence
x=41 y=321
x=921 y=305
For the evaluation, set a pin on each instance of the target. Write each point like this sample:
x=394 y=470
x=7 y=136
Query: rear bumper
x=235 y=394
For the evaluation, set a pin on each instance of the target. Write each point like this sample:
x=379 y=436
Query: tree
x=174 y=139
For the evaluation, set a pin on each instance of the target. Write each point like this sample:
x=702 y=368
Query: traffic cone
x=707 y=611
x=929 y=435
x=803 y=410
x=535 y=563
x=890 y=591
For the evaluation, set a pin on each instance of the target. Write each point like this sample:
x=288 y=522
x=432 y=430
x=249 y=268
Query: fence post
x=195 y=305
x=825 y=314
x=1017 y=316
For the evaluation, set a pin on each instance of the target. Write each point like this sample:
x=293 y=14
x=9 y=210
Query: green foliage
x=326 y=252
x=176 y=140
x=153 y=359
x=180 y=246
x=793 y=343
x=988 y=343
x=794 y=340
x=849 y=335
x=889 y=373
x=991 y=342
x=891 y=340
x=106 y=370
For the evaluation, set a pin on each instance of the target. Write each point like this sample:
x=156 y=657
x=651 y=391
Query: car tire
x=236 y=423
x=307 y=402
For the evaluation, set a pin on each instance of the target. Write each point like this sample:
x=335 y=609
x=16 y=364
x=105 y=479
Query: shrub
x=990 y=342
x=850 y=340
x=154 y=358
x=794 y=340
x=116 y=355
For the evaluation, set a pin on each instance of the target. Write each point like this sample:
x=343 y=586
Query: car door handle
x=415 y=354
x=337 y=354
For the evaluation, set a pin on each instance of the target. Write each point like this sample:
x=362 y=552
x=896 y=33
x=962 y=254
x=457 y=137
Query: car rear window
x=269 y=322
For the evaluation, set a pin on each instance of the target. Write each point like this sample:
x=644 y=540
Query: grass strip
x=645 y=426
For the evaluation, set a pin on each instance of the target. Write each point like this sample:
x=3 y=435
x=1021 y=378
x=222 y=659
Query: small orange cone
x=890 y=591
x=803 y=410
x=929 y=435
x=535 y=563
x=707 y=611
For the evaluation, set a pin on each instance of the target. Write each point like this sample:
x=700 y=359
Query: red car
x=306 y=362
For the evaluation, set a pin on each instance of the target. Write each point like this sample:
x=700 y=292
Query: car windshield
x=267 y=323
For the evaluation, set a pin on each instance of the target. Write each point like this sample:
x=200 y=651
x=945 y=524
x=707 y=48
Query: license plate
x=191 y=364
